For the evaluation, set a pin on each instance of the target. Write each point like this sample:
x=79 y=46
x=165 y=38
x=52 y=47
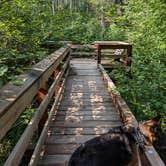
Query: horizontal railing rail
x=108 y=50
x=83 y=50
x=106 y=53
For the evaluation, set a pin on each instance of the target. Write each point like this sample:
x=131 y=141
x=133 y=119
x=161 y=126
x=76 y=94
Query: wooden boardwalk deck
x=86 y=111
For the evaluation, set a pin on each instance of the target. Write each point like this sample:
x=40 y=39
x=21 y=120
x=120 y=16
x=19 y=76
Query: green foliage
x=9 y=141
x=22 y=29
x=116 y=33
x=143 y=24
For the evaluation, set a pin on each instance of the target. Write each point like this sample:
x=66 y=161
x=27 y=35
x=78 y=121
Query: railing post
x=56 y=72
x=41 y=95
x=129 y=55
x=98 y=54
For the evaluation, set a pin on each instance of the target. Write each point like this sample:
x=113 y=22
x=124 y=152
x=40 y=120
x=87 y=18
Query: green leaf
x=18 y=82
x=3 y=70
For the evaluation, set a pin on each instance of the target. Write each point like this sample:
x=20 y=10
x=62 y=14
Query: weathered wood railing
x=149 y=156
x=14 y=100
x=83 y=50
x=107 y=50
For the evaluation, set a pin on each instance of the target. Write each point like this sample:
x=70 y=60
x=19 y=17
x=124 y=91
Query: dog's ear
x=151 y=128
x=157 y=118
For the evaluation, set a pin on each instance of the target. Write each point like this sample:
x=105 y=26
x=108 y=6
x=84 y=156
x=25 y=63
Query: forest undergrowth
x=24 y=27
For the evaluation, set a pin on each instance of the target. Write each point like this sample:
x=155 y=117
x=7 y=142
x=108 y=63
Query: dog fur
x=115 y=148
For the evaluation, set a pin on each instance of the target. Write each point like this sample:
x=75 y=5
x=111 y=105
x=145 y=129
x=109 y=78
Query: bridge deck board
x=86 y=111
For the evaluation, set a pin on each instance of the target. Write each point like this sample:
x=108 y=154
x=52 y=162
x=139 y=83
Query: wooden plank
x=111 y=43
x=73 y=118
x=77 y=82
x=107 y=112
x=92 y=110
x=85 y=88
x=86 y=78
x=35 y=155
x=83 y=61
x=86 y=72
x=54 y=160
x=13 y=99
x=86 y=101
x=83 y=53
x=87 y=95
x=23 y=142
x=88 y=108
x=115 y=46
x=95 y=123
x=60 y=149
x=108 y=46
x=85 y=46
x=87 y=98
x=153 y=157
x=84 y=65
x=68 y=139
x=112 y=56
x=90 y=93
x=86 y=85
x=78 y=130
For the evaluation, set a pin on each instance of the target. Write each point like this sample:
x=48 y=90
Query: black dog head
x=111 y=149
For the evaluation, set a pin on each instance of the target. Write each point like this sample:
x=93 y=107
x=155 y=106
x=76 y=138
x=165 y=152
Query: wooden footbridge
x=75 y=100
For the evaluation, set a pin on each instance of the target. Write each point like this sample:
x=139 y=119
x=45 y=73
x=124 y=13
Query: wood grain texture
x=18 y=151
x=13 y=99
x=85 y=112
x=38 y=147
x=78 y=130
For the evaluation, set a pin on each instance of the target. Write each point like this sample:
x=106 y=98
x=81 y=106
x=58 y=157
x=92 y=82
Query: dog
x=150 y=129
x=115 y=148
x=112 y=147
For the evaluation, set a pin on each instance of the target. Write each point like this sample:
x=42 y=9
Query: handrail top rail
x=112 y=43
x=79 y=46
x=9 y=93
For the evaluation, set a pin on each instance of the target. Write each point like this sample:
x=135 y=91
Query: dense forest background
x=26 y=24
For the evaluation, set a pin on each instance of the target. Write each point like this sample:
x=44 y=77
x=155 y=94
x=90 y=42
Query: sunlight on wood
x=10 y=99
